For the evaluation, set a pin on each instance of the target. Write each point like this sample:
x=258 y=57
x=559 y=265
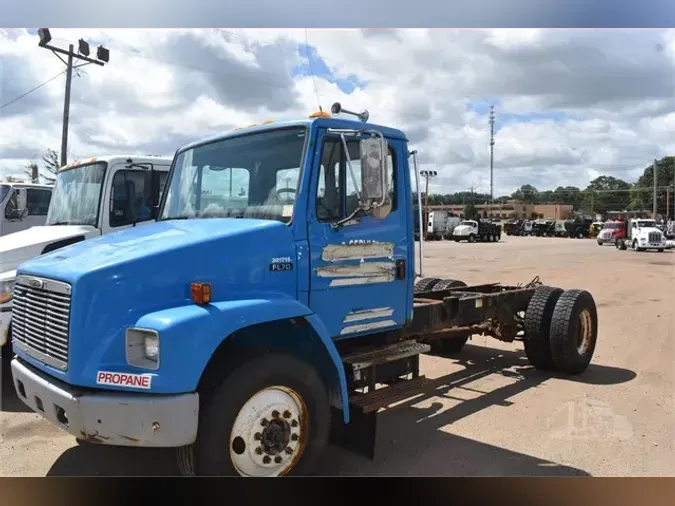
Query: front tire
x=269 y=417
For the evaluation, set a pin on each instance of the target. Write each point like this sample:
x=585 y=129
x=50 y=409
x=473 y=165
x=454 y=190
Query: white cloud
x=604 y=100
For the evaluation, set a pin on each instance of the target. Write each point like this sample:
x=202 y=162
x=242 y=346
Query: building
x=512 y=209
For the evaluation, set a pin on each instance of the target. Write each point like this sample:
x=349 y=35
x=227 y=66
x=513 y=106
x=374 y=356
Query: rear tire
x=425 y=284
x=231 y=421
x=574 y=331
x=444 y=284
x=538 y=326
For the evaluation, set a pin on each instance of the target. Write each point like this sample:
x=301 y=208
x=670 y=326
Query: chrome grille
x=654 y=237
x=41 y=318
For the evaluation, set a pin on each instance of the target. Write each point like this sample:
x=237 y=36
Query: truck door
x=131 y=195
x=354 y=287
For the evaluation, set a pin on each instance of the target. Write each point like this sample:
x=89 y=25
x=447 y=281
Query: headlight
x=6 y=288
x=142 y=348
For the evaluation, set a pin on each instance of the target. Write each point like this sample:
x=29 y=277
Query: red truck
x=611 y=231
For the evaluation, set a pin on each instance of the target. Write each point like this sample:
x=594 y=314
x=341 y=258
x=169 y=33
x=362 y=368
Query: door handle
x=400 y=268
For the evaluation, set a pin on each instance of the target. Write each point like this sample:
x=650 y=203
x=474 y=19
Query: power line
x=32 y=90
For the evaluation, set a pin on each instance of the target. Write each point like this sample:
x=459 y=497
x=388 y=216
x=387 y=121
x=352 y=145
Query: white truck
x=23 y=205
x=474 y=230
x=642 y=235
x=90 y=198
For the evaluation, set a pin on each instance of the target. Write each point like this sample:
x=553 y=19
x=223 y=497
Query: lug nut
x=275 y=414
x=294 y=437
x=287 y=414
x=266 y=459
x=264 y=422
x=294 y=423
x=289 y=450
x=257 y=436
x=277 y=459
x=259 y=450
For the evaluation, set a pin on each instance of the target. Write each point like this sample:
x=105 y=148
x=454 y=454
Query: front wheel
x=270 y=417
x=472 y=238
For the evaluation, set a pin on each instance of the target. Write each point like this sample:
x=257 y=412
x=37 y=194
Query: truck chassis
x=558 y=328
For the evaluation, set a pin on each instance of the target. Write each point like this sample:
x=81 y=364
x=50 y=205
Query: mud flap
x=358 y=436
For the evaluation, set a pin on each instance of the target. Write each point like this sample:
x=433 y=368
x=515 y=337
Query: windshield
x=251 y=176
x=4 y=190
x=76 y=195
x=612 y=226
x=470 y=223
x=646 y=224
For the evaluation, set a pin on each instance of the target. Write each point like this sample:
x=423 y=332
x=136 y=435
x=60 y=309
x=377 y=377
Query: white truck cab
x=89 y=198
x=642 y=234
x=23 y=205
x=466 y=229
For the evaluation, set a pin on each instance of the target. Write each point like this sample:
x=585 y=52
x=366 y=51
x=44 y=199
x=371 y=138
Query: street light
x=102 y=57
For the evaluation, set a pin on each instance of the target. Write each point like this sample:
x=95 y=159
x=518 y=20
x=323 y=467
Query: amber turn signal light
x=201 y=293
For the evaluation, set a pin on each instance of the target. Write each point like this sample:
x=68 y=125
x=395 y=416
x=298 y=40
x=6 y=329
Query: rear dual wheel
x=454 y=344
x=561 y=330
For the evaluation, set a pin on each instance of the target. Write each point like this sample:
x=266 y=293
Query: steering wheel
x=285 y=190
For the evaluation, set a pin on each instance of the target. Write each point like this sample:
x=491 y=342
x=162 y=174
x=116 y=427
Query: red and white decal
x=121 y=379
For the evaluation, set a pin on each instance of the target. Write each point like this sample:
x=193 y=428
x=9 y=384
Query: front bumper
x=110 y=418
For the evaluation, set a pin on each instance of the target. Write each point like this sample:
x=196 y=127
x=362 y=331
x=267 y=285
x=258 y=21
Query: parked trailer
x=252 y=374
x=436 y=225
x=579 y=229
x=642 y=235
x=512 y=227
x=543 y=228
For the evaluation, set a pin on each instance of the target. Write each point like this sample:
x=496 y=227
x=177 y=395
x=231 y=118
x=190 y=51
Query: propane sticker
x=121 y=379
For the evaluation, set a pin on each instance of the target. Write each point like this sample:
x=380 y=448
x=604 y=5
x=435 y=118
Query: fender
x=203 y=328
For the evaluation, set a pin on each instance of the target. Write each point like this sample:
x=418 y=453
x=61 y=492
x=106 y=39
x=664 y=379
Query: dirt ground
x=496 y=416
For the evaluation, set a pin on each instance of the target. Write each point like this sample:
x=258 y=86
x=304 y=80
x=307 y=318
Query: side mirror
x=374 y=183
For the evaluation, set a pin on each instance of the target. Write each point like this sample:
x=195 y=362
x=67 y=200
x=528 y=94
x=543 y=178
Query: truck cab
x=611 y=232
x=256 y=317
x=22 y=205
x=89 y=198
x=642 y=235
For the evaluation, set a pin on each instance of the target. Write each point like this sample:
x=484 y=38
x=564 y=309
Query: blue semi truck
x=274 y=307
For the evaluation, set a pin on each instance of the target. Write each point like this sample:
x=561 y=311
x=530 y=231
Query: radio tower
x=492 y=152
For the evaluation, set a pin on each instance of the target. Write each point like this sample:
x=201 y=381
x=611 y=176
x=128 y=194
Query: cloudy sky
x=570 y=104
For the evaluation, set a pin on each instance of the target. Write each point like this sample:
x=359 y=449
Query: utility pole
x=427 y=174
x=654 y=207
x=102 y=57
x=492 y=152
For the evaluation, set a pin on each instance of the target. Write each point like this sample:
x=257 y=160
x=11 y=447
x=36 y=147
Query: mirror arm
x=351 y=170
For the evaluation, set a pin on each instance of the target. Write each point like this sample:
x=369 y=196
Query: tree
x=642 y=196
x=50 y=163
x=526 y=193
x=470 y=212
x=607 y=193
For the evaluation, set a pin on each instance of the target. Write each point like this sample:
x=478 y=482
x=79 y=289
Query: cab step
x=389 y=364
x=398 y=351
x=383 y=397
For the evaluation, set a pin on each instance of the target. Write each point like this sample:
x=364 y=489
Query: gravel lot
x=497 y=416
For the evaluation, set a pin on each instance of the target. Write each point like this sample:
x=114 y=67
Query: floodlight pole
x=45 y=37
